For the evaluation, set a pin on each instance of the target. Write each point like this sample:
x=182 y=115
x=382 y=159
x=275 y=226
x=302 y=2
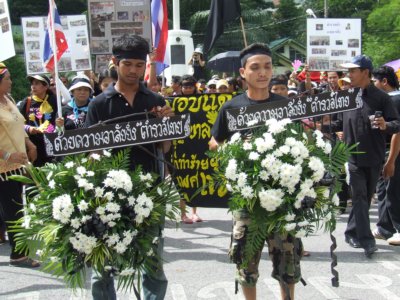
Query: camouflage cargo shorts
x=285 y=252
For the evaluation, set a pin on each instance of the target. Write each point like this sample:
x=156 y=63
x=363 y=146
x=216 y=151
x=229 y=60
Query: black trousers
x=363 y=184
x=11 y=208
x=389 y=203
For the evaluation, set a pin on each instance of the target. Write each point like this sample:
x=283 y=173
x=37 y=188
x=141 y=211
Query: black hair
x=388 y=73
x=176 y=79
x=189 y=78
x=279 y=79
x=256 y=48
x=131 y=43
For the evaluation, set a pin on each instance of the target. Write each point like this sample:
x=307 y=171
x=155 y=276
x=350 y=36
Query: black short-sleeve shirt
x=220 y=128
x=111 y=104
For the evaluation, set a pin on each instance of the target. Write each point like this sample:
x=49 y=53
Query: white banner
x=332 y=42
x=76 y=58
x=7 y=49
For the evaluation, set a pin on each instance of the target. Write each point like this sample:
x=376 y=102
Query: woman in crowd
x=74 y=113
x=39 y=110
x=15 y=150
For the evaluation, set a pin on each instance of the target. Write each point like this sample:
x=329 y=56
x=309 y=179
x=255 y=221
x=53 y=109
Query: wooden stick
x=244 y=33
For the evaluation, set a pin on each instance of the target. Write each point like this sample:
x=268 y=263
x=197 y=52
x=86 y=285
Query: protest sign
x=332 y=42
x=7 y=49
x=76 y=58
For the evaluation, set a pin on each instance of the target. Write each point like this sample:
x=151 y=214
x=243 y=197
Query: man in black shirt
x=366 y=126
x=388 y=189
x=124 y=98
x=257 y=72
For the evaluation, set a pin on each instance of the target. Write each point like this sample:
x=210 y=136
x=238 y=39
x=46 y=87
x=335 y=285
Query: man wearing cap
x=211 y=86
x=256 y=70
x=366 y=126
x=39 y=110
x=128 y=96
x=222 y=86
x=198 y=64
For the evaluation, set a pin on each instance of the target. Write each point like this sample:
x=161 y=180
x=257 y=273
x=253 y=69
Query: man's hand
x=380 y=123
x=165 y=111
x=388 y=170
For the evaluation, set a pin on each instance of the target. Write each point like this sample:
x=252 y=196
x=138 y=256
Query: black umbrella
x=225 y=62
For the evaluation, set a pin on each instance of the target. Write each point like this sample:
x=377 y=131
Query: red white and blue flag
x=159 y=22
x=61 y=41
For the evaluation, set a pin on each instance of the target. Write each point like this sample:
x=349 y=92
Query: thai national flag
x=159 y=21
x=61 y=41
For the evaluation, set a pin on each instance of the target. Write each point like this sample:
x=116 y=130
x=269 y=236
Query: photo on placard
x=34 y=56
x=319 y=26
x=35 y=67
x=122 y=31
x=64 y=22
x=140 y=16
x=64 y=64
x=318 y=50
x=339 y=42
x=76 y=23
x=335 y=64
x=32 y=34
x=320 y=63
x=102 y=62
x=100 y=46
x=80 y=33
x=353 y=43
x=32 y=24
x=123 y=16
x=319 y=40
x=5 y=25
x=338 y=52
x=100 y=12
x=33 y=45
x=82 y=64
x=348 y=27
x=81 y=41
x=2 y=8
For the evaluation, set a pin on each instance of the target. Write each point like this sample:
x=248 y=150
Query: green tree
x=288 y=20
x=341 y=8
x=382 y=36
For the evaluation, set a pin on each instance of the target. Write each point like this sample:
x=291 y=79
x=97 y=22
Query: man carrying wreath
x=129 y=97
x=285 y=250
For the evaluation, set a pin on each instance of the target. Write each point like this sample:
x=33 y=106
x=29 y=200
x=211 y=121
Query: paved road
x=197 y=268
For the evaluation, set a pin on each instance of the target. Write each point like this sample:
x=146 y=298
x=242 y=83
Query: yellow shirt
x=12 y=133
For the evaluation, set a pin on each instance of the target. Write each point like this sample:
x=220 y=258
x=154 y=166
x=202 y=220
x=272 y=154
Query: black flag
x=221 y=12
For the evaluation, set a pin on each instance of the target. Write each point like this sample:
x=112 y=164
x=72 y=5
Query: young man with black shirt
x=388 y=188
x=124 y=98
x=257 y=72
x=367 y=126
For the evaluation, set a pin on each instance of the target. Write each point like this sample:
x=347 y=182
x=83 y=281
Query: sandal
x=196 y=218
x=24 y=262
x=187 y=220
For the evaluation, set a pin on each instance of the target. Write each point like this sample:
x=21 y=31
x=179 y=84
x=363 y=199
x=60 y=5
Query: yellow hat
x=344 y=79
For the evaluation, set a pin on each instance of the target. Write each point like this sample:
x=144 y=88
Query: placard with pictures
x=7 y=43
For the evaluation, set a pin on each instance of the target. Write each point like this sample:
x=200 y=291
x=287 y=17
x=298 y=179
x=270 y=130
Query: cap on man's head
x=342 y=80
x=359 y=61
x=198 y=50
x=212 y=82
x=80 y=81
x=42 y=78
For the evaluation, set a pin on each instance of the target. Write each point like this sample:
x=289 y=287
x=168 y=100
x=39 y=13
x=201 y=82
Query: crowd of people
x=120 y=91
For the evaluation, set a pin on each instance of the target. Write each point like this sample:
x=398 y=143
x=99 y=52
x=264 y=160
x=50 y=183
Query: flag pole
x=244 y=33
x=54 y=49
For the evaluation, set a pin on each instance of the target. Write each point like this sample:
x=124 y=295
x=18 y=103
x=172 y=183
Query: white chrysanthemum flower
x=230 y=171
x=113 y=207
x=127 y=272
x=335 y=200
x=303 y=223
x=89 y=173
x=27 y=222
x=98 y=192
x=52 y=184
x=318 y=167
x=290 y=176
x=275 y=126
x=131 y=200
x=118 y=179
x=284 y=149
x=106 y=153
x=76 y=223
x=229 y=187
x=235 y=137
x=100 y=210
x=120 y=248
x=247 y=192
x=62 y=208
x=84 y=219
x=39 y=252
x=290 y=141
x=318 y=134
x=325 y=193
x=84 y=160
x=69 y=165
x=95 y=156
x=295 y=151
x=168 y=208
x=146 y=177
x=328 y=148
x=247 y=146
x=290 y=227
x=155 y=240
x=109 y=196
x=254 y=156
x=32 y=207
x=81 y=170
x=300 y=233
x=242 y=179
x=290 y=217
x=271 y=199
x=264 y=175
x=297 y=203
x=150 y=252
x=83 y=243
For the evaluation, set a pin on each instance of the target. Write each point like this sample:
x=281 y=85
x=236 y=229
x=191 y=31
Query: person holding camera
x=198 y=64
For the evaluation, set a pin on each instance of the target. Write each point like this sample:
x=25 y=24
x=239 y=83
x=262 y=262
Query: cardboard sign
x=7 y=49
x=117 y=135
x=294 y=109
